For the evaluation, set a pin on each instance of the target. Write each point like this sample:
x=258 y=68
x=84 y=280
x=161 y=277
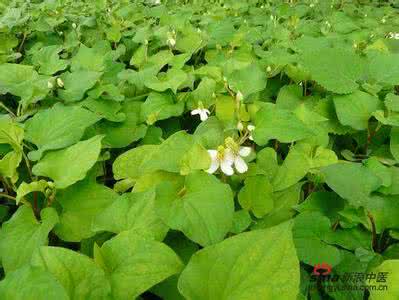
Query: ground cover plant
x=199 y=149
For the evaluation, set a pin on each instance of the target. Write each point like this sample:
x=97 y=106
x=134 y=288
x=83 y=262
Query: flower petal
x=214 y=161
x=227 y=167
x=228 y=156
x=213 y=167
x=203 y=114
x=195 y=112
x=240 y=165
x=244 y=151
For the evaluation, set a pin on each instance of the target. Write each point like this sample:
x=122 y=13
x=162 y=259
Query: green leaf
x=121 y=134
x=274 y=123
x=384 y=68
x=248 y=80
x=237 y=267
x=109 y=110
x=134 y=264
x=76 y=84
x=300 y=160
x=24 y=82
x=134 y=212
x=257 y=195
x=210 y=133
x=184 y=155
x=129 y=164
x=356 y=109
x=171 y=80
x=27 y=188
x=23 y=234
x=358 y=189
x=394 y=143
x=336 y=69
x=31 y=283
x=80 y=204
x=69 y=165
x=391 y=267
x=160 y=106
x=202 y=209
x=48 y=60
x=284 y=201
x=67 y=125
x=88 y=59
x=309 y=233
x=385 y=211
x=326 y=203
x=77 y=273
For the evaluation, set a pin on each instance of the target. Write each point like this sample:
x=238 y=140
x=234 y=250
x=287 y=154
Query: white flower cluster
x=229 y=156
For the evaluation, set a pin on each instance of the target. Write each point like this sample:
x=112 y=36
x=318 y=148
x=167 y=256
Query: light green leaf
x=358 y=189
x=69 y=165
x=23 y=234
x=81 y=278
x=134 y=264
x=24 y=82
x=202 y=209
x=66 y=126
x=283 y=125
x=300 y=160
x=161 y=106
x=31 y=283
x=236 y=268
x=80 y=204
x=134 y=212
x=248 y=80
x=384 y=68
x=391 y=267
x=394 y=143
x=122 y=134
x=171 y=80
x=309 y=232
x=27 y=188
x=76 y=84
x=129 y=164
x=257 y=195
x=183 y=154
x=336 y=69
x=355 y=109
x=48 y=60
x=109 y=110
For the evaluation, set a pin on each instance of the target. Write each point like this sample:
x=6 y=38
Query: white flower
x=239 y=163
x=393 y=35
x=60 y=83
x=226 y=158
x=49 y=85
x=171 y=42
x=250 y=129
x=222 y=158
x=202 y=112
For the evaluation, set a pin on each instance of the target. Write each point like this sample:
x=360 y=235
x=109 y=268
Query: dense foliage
x=198 y=150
